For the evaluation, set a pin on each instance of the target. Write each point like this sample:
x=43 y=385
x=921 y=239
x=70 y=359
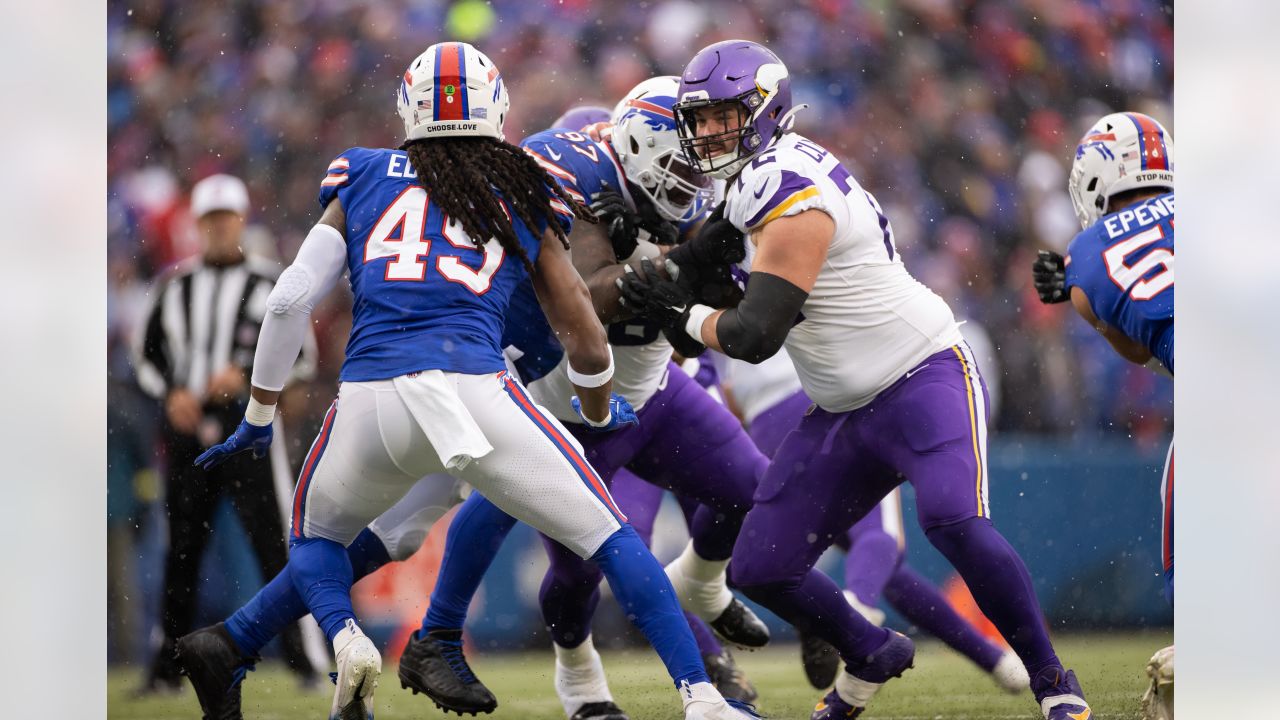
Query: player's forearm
x=606 y=297
x=755 y=330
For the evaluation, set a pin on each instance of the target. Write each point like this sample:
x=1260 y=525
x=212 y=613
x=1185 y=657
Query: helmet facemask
x=709 y=153
x=672 y=185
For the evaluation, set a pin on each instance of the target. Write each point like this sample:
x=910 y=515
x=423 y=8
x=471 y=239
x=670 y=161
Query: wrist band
x=608 y=418
x=698 y=315
x=259 y=414
x=592 y=381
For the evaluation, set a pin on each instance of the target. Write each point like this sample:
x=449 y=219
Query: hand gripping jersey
x=640 y=351
x=867 y=321
x=426 y=297
x=1124 y=263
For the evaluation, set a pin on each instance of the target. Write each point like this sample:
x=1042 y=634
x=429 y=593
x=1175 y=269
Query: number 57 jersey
x=1124 y=264
x=426 y=296
x=866 y=322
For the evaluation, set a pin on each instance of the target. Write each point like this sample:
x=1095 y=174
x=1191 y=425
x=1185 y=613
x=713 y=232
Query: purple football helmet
x=576 y=118
x=743 y=77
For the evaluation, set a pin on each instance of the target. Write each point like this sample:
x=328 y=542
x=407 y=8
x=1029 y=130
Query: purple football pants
x=874 y=563
x=833 y=469
x=686 y=442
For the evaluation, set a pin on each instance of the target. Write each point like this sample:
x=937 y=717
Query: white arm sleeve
x=320 y=262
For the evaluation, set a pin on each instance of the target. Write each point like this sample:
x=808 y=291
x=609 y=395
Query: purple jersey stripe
x=791 y=184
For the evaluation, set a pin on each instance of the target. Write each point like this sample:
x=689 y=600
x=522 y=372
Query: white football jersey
x=866 y=321
x=758 y=387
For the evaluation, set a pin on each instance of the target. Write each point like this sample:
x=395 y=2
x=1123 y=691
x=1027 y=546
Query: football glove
x=1049 y=275
x=718 y=242
x=620 y=414
x=620 y=222
x=649 y=294
x=256 y=438
x=664 y=301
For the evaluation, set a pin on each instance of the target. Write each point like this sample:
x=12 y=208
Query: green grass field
x=942 y=685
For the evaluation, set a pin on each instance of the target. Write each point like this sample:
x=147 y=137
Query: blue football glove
x=620 y=413
x=246 y=437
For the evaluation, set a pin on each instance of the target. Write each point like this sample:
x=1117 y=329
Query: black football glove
x=663 y=301
x=1050 y=277
x=661 y=230
x=718 y=242
x=650 y=295
x=620 y=222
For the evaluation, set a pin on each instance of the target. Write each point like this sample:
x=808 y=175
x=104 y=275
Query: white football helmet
x=1122 y=151
x=452 y=90
x=645 y=138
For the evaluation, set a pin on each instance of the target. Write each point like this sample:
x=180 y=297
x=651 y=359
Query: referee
x=196 y=354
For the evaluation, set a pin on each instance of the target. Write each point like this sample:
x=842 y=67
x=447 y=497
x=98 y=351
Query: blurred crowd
x=960 y=115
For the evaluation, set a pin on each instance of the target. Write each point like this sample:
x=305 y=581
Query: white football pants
x=371 y=451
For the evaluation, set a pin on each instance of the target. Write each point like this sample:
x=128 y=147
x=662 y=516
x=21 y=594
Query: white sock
x=854 y=691
x=700 y=584
x=580 y=656
x=580 y=677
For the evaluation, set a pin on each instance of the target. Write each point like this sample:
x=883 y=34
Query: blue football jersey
x=1124 y=263
x=536 y=349
x=426 y=297
x=583 y=168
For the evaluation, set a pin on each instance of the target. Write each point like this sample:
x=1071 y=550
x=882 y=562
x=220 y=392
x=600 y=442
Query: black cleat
x=433 y=664
x=820 y=659
x=600 y=711
x=215 y=667
x=729 y=678
x=738 y=625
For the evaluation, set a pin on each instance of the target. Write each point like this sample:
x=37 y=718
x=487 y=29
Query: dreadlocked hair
x=461 y=175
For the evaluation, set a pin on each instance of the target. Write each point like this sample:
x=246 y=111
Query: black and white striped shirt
x=203 y=318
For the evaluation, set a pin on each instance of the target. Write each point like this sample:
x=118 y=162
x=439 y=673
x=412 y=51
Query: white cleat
x=1157 y=702
x=703 y=702
x=359 y=666
x=1011 y=675
x=581 y=684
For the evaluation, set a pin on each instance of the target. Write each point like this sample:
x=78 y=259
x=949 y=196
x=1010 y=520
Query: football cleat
x=216 y=667
x=1010 y=674
x=703 y=702
x=821 y=661
x=729 y=678
x=359 y=665
x=1059 y=695
x=738 y=625
x=853 y=690
x=433 y=663
x=1157 y=702
x=600 y=711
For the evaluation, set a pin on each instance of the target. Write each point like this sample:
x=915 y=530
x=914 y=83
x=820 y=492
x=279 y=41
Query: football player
x=436 y=236
x=1118 y=275
x=685 y=440
x=897 y=392
x=771 y=402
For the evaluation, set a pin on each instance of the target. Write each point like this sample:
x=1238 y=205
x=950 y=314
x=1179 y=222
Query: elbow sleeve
x=756 y=329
